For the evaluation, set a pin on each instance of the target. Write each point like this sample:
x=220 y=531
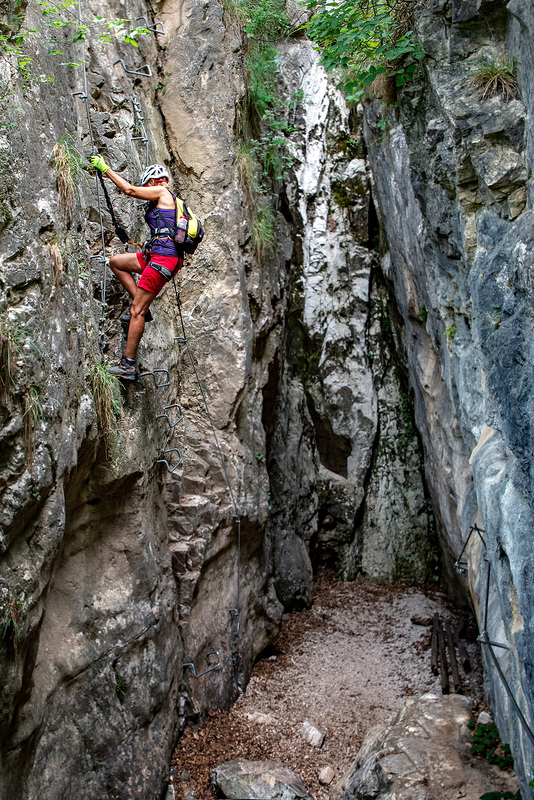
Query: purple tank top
x=162 y=247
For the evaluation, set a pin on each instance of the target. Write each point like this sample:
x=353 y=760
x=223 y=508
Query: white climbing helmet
x=153 y=171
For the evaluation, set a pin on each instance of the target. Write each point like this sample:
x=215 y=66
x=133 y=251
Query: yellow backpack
x=195 y=230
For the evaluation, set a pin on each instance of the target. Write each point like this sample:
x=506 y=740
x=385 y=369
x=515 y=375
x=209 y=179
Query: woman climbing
x=156 y=267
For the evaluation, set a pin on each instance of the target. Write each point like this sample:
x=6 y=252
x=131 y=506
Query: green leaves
x=364 y=39
x=485 y=742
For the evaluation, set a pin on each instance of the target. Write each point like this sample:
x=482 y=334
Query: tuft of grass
x=262 y=73
x=422 y=314
x=263 y=232
x=248 y=170
x=106 y=390
x=495 y=76
x=68 y=163
x=10 y=339
x=11 y=615
x=234 y=12
x=33 y=413
x=121 y=686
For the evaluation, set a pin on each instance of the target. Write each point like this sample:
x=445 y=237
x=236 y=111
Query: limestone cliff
x=115 y=575
x=453 y=187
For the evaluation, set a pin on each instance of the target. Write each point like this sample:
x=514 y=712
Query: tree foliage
x=364 y=39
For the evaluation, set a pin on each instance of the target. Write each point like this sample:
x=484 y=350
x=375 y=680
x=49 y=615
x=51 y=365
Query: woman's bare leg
x=140 y=305
x=122 y=266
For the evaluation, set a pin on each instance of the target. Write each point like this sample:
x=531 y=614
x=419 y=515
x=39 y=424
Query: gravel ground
x=345 y=665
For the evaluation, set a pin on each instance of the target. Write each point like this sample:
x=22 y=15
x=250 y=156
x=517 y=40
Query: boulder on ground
x=240 y=779
x=422 y=755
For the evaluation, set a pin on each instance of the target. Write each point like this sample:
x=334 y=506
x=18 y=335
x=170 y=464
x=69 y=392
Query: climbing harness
x=188 y=231
x=484 y=638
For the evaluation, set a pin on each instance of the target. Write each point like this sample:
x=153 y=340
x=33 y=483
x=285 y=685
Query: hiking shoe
x=124 y=371
x=125 y=319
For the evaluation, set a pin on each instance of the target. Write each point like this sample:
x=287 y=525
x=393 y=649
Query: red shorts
x=153 y=281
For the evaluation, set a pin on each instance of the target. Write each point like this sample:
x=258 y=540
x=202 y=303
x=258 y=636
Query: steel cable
x=485 y=639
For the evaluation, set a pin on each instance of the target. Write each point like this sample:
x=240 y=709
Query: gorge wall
x=453 y=188
x=114 y=574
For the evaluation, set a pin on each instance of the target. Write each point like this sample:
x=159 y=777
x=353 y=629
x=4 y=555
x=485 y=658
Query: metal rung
x=484 y=639
x=147 y=74
x=153 y=27
x=164 y=460
x=153 y=373
x=81 y=95
x=210 y=669
x=166 y=416
x=140 y=138
x=179 y=339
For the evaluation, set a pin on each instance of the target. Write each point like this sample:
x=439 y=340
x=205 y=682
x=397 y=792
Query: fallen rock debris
x=311 y=734
x=241 y=779
x=422 y=755
x=326 y=776
x=347 y=664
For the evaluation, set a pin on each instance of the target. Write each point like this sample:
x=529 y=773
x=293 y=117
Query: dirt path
x=345 y=665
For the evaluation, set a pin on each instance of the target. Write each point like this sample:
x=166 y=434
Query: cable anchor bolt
x=154 y=27
x=166 y=416
x=147 y=74
x=164 y=460
x=210 y=669
x=154 y=373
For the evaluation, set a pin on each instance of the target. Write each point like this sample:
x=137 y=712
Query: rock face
x=343 y=456
x=259 y=780
x=114 y=573
x=419 y=756
x=452 y=186
x=119 y=580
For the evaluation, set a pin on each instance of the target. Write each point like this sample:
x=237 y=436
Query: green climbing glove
x=99 y=163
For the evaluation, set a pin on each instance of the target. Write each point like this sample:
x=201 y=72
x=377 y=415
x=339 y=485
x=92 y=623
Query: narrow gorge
x=357 y=349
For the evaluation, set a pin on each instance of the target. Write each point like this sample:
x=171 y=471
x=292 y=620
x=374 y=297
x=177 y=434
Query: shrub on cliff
x=365 y=38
